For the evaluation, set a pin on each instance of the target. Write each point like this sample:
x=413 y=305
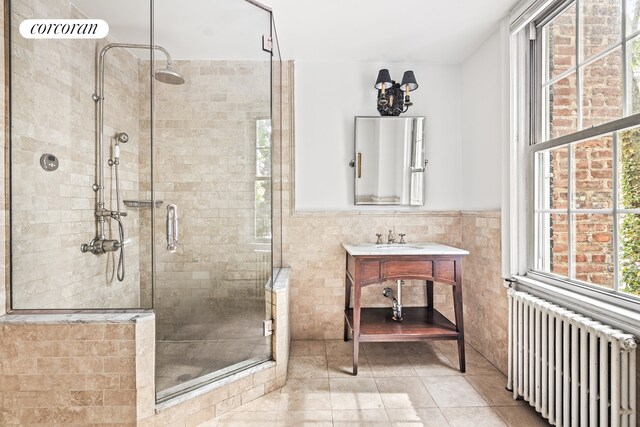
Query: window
x=584 y=145
x=263 y=180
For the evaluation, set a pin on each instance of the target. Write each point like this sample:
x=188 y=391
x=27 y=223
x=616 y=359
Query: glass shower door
x=212 y=175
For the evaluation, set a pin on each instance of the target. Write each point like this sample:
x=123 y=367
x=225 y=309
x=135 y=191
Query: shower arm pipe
x=99 y=99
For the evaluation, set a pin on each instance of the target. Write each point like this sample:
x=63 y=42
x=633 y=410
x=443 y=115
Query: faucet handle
x=402 y=242
x=379 y=241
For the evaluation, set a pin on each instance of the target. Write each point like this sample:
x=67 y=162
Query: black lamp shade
x=408 y=80
x=383 y=78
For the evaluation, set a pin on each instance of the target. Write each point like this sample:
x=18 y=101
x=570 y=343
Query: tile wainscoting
x=312 y=250
x=99 y=368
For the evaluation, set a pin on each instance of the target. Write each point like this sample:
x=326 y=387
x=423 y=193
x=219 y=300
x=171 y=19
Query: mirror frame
x=417 y=154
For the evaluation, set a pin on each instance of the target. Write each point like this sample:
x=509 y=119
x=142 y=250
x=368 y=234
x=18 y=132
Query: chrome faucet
x=390 y=238
x=379 y=241
x=402 y=242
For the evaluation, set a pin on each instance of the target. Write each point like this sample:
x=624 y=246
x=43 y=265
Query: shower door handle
x=172 y=228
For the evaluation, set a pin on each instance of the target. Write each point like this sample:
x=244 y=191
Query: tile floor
x=403 y=384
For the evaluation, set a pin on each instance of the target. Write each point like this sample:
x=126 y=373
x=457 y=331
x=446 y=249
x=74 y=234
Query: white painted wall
x=484 y=82
x=327 y=97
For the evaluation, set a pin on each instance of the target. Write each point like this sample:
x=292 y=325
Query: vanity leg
x=457 y=304
x=356 y=326
x=430 y=296
x=347 y=303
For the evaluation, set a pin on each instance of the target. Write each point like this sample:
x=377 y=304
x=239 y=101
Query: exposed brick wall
x=592 y=162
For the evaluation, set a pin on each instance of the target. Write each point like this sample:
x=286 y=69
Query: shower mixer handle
x=98 y=247
x=106 y=212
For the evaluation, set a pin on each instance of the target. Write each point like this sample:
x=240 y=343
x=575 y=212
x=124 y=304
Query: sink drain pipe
x=397 y=303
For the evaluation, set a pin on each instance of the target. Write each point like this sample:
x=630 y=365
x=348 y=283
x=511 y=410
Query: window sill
x=618 y=316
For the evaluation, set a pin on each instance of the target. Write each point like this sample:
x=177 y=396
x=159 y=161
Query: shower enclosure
x=145 y=172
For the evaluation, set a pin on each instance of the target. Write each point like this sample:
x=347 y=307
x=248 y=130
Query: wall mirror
x=389 y=161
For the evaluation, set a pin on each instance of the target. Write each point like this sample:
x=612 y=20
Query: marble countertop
x=424 y=248
x=55 y=318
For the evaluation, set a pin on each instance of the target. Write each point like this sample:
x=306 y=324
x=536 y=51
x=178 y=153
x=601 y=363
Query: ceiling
x=434 y=31
x=437 y=32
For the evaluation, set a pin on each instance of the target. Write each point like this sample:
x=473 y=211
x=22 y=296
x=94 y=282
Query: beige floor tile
x=393 y=364
x=447 y=346
x=476 y=417
x=520 y=416
x=306 y=385
x=492 y=389
x=420 y=348
x=305 y=419
x=268 y=402
x=476 y=364
x=452 y=391
x=308 y=367
x=307 y=348
x=247 y=419
x=404 y=393
x=360 y=418
x=427 y=417
x=431 y=363
x=305 y=402
x=384 y=348
x=342 y=366
x=339 y=348
x=354 y=393
x=311 y=394
x=397 y=357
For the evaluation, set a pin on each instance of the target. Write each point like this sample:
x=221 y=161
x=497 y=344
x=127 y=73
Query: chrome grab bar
x=172 y=228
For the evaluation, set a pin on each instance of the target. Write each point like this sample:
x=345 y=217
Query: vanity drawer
x=370 y=270
x=446 y=271
x=373 y=270
x=418 y=269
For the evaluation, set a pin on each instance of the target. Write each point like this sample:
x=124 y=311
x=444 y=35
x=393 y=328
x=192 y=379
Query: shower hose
x=120 y=270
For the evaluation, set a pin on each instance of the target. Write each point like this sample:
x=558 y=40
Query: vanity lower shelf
x=419 y=323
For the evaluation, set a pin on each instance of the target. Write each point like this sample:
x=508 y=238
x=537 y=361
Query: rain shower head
x=169 y=76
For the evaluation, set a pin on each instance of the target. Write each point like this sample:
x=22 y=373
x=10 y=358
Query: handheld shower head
x=122 y=137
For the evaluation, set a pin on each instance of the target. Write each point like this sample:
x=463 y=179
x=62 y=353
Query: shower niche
x=166 y=139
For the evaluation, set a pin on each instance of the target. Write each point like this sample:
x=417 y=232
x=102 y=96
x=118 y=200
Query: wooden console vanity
x=372 y=263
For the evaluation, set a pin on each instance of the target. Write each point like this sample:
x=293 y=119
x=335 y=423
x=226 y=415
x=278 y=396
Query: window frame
x=527 y=100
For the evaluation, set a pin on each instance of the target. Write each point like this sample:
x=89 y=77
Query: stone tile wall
x=53 y=212
x=54 y=372
x=205 y=163
x=312 y=249
x=486 y=303
x=99 y=369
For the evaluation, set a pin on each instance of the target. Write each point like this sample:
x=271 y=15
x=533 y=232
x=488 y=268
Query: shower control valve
x=116 y=214
x=98 y=247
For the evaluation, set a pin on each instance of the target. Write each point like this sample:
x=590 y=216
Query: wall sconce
x=393 y=98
